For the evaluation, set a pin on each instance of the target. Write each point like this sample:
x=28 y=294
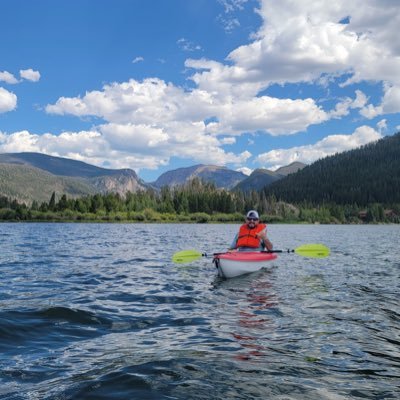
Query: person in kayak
x=252 y=235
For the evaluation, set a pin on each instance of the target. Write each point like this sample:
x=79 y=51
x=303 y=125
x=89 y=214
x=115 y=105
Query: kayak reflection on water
x=254 y=317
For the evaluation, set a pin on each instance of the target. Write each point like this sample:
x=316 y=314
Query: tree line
x=196 y=201
x=364 y=176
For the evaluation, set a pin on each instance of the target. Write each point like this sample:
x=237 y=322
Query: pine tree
x=52 y=202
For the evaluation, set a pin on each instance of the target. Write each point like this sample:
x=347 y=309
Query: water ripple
x=99 y=311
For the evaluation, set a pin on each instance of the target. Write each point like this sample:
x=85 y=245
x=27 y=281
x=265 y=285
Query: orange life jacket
x=247 y=237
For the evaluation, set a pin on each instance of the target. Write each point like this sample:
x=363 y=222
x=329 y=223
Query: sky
x=156 y=85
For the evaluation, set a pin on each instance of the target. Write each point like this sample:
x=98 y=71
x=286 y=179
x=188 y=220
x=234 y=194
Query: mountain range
x=35 y=176
x=260 y=178
x=222 y=177
x=366 y=175
x=226 y=178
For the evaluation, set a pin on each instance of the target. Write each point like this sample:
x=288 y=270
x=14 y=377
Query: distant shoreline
x=116 y=221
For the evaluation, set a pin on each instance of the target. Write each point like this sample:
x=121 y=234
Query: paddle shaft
x=279 y=251
x=261 y=251
x=306 y=250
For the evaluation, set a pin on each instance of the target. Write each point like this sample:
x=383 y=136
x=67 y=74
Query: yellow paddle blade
x=186 y=256
x=313 y=250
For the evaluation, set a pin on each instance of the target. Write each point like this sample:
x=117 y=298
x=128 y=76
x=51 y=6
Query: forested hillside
x=29 y=177
x=370 y=174
x=24 y=183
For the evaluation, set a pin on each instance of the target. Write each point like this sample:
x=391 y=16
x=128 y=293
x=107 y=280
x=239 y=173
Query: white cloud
x=137 y=59
x=152 y=117
x=232 y=5
x=226 y=81
x=382 y=125
x=229 y=24
x=371 y=111
x=7 y=77
x=328 y=146
x=391 y=99
x=276 y=116
x=343 y=107
x=228 y=21
x=390 y=103
x=47 y=143
x=154 y=102
x=87 y=146
x=124 y=145
x=300 y=41
x=187 y=45
x=245 y=170
x=133 y=138
x=30 y=74
x=18 y=142
x=360 y=100
x=366 y=46
x=8 y=100
x=291 y=46
x=228 y=140
x=127 y=102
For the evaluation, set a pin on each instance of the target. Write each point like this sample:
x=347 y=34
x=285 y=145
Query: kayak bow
x=239 y=263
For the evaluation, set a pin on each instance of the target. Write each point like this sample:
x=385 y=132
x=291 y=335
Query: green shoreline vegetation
x=197 y=202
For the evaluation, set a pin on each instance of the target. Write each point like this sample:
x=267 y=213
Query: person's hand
x=261 y=235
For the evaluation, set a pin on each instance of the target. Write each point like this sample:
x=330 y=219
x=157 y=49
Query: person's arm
x=233 y=244
x=268 y=244
x=263 y=236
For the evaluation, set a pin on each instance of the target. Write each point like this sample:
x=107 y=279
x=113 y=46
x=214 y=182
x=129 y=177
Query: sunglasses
x=252 y=219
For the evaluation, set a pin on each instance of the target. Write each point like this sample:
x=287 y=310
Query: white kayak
x=239 y=263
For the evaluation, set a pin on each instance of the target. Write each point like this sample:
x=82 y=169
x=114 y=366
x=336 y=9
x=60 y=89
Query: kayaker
x=252 y=235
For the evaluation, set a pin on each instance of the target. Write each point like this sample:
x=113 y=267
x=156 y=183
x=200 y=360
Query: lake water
x=99 y=311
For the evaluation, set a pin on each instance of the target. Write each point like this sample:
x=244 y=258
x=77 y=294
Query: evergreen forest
x=367 y=175
x=197 y=202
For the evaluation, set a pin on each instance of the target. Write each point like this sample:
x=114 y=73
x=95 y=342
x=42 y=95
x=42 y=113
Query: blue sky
x=155 y=85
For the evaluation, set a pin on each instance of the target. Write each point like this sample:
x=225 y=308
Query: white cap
x=252 y=214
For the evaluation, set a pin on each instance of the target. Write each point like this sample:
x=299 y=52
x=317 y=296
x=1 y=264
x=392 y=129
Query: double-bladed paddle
x=315 y=250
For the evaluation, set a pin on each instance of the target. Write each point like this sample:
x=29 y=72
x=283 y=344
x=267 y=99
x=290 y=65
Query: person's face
x=252 y=222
